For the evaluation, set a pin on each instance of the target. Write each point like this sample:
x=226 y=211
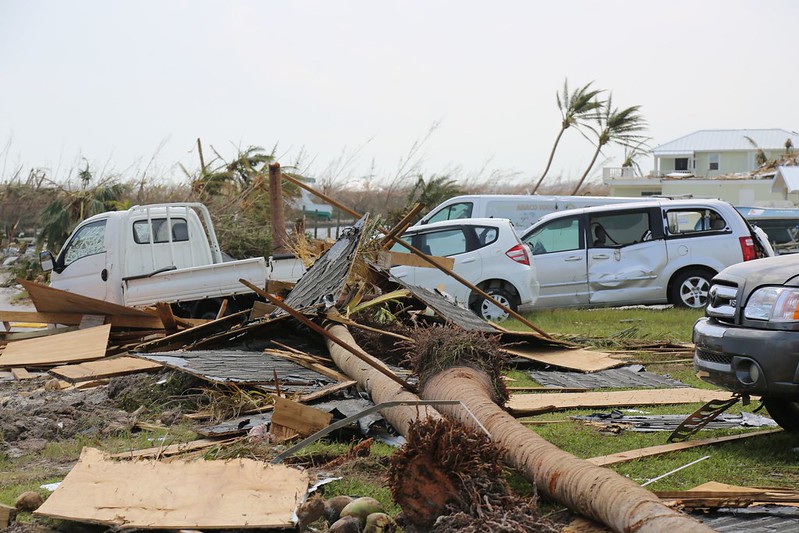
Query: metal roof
x=786 y=178
x=726 y=141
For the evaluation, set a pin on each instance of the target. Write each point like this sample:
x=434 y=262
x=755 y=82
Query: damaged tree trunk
x=380 y=388
x=596 y=492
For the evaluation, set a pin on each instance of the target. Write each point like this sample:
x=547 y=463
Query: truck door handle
x=600 y=256
x=573 y=258
x=104 y=274
x=472 y=260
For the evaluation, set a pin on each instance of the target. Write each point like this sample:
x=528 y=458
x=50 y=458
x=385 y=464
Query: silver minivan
x=649 y=252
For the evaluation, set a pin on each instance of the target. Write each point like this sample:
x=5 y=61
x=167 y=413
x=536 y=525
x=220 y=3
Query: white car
x=649 y=252
x=487 y=253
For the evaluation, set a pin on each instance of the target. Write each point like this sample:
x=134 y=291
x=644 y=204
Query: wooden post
x=276 y=206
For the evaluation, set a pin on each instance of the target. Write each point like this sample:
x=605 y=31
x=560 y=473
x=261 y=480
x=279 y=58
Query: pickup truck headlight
x=777 y=304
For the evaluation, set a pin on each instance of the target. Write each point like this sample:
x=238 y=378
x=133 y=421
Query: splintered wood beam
x=333 y=317
x=325 y=333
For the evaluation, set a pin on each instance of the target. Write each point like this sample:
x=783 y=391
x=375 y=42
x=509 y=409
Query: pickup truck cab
x=748 y=340
x=156 y=253
x=649 y=252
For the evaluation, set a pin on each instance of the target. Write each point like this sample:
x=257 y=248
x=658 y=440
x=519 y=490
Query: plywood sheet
x=49 y=300
x=578 y=359
x=108 y=368
x=232 y=494
x=75 y=318
x=79 y=345
x=541 y=403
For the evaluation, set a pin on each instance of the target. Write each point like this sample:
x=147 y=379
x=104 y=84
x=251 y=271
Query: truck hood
x=779 y=270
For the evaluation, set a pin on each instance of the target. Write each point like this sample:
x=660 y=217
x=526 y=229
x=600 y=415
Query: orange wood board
x=521 y=404
x=106 y=368
x=230 y=494
x=72 y=346
x=577 y=359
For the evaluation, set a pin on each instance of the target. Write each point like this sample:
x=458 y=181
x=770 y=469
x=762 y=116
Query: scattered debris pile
x=277 y=362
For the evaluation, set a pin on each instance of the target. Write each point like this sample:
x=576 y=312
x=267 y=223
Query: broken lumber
x=109 y=368
x=631 y=455
x=297 y=418
x=526 y=404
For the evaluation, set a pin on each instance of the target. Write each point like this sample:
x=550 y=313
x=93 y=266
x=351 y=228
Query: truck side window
x=561 y=235
x=88 y=240
x=141 y=231
x=452 y=212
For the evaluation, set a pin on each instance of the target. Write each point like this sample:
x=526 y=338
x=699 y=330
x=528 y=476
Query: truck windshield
x=88 y=240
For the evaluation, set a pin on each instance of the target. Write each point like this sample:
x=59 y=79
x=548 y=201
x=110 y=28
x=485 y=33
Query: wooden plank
x=173 y=449
x=631 y=455
x=578 y=359
x=387 y=259
x=310 y=365
x=47 y=299
x=261 y=309
x=74 y=319
x=104 y=368
x=521 y=404
x=21 y=373
x=166 y=316
x=235 y=493
x=73 y=346
x=302 y=419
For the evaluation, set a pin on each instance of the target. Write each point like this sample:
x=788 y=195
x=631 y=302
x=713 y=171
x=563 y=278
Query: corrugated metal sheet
x=761 y=519
x=789 y=177
x=616 y=378
x=726 y=140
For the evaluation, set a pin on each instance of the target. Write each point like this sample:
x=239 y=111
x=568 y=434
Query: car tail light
x=519 y=254
x=748 y=248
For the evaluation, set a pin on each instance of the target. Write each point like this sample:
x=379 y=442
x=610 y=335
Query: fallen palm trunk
x=381 y=389
x=593 y=491
x=596 y=492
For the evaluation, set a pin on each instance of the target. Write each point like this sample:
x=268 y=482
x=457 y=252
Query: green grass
x=767 y=460
x=672 y=325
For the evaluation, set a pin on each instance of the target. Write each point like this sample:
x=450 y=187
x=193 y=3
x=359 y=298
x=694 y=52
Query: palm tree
x=575 y=108
x=619 y=126
x=69 y=207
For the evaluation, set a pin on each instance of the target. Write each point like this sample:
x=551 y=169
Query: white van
x=521 y=210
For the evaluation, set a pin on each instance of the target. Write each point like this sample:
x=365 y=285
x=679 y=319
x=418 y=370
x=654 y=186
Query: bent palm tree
x=619 y=126
x=580 y=105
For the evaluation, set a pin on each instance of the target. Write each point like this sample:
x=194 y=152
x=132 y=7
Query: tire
x=488 y=311
x=690 y=288
x=784 y=412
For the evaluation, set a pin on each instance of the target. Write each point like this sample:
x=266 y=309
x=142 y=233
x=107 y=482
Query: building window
x=681 y=164
x=714 y=162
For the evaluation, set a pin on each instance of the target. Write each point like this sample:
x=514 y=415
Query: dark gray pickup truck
x=748 y=341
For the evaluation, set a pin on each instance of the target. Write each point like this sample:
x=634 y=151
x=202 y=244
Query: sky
x=359 y=89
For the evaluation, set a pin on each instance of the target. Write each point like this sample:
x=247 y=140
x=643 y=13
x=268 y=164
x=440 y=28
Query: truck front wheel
x=784 y=412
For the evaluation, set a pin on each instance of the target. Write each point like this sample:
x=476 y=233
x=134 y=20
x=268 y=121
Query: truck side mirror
x=46 y=260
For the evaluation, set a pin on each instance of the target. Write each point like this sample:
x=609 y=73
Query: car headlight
x=777 y=304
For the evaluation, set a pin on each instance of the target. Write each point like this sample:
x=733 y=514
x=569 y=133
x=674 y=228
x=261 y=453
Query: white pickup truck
x=159 y=253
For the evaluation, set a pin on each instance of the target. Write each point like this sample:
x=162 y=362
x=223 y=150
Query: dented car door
x=626 y=255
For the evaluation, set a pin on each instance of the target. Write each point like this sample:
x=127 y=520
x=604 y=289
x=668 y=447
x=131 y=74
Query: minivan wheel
x=690 y=289
x=784 y=412
x=488 y=311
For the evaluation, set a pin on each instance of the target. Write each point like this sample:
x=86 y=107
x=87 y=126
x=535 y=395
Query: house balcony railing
x=618 y=173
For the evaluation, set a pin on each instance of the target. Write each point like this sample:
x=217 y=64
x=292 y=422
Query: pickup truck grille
x=713 y=357
x=722 y=302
